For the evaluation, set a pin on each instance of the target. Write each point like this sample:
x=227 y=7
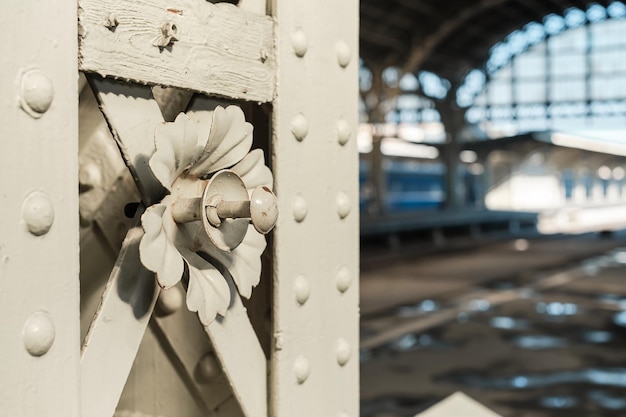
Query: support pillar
x=39 y=258
x=377 y=175
x=315 y=346
x=453 y=119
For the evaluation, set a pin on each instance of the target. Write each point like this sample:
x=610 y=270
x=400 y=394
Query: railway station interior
x=492 y=210
x=492 y=146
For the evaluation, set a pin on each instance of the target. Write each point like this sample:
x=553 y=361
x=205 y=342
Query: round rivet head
x=170 y=300
x=263 y=209
x=344 y=279
x=343 y=54
x=343 y=351
x=299 y=126
x=301 y=369
x=343 y=204
x=38 y=334
x=300 y=208
x=343 y=132
x=38 y=213
x=89 y=177
x=299 y=42
x=36 y=93
x=208 y=369
x=302 y=289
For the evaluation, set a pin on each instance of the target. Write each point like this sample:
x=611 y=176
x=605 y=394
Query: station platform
x=528 y=327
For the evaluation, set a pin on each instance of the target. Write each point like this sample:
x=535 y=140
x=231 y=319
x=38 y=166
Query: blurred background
x=493 y=202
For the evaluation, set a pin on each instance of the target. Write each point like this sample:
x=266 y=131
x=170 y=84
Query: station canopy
x=447 y=37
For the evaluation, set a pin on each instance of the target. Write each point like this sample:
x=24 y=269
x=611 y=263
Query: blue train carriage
x=411 y=184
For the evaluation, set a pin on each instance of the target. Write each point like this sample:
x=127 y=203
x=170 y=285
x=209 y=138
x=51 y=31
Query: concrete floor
x=525 y=327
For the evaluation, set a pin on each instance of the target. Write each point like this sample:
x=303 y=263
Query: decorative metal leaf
x=204 y=121
x=167 y=247
x=230 y=139
x=253 y=172
x=208 y=292
x=243 y=262
x=156 y=250
x=177 y=147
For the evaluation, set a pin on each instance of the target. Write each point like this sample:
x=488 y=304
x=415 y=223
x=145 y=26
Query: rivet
x=302 y=289
x=208 y=369
x=38 y=213
x=170 y=301
x=300 y=208
x=301 y=369
x=38 y=334
x=343 y=204
x=344 y=351
x=299 y=42
x=89 y=177
x=299 y=126
x=343 y=132
x=343 y=53
x=37 y=93
x=343 y=279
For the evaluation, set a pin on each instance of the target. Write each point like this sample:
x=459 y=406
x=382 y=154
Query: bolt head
x=344 y=131
x=343 y=204
x=36 y=93
x=170 y=300
x=343 y=279
x=263 y=209
x=89 y=177
x=302 y=289
x=38 y=213
x=301 y=369
x=300 y=208
x=208 y=369
x=299 y=127
x=38 y=334
x=299 y=42
x=343 y=54
x=344 y=351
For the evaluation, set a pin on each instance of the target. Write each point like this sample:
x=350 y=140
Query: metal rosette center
x=225 y=185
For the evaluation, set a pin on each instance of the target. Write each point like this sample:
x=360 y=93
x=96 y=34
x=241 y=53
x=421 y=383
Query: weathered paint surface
x=220 y=50
x=117 y=330
x=247 y=376
x=39 y=302
x=315 y=348
x=216 y=49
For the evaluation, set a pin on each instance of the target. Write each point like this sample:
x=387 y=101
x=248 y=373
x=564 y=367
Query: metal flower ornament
x=211 y=224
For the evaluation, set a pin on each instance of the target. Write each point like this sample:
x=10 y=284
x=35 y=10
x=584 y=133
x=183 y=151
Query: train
x=410 y=185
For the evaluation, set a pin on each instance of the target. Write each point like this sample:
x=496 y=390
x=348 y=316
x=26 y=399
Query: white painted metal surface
x=223 y=50
x=117 y=330
x=120 y=107
x=315 y=347
x=39 y=304
x=458 y=404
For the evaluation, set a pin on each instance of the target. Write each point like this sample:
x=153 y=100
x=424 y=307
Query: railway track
x=502 y=323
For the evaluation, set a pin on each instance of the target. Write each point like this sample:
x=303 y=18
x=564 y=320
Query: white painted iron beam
x=39 y=258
